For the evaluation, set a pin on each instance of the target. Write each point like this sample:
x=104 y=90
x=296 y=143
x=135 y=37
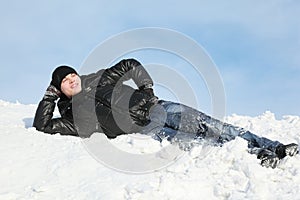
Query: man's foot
x=268 y=158
x=287 y=150
x=291 y=149
x=270 y=161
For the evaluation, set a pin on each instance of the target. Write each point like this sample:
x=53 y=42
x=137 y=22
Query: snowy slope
x=40 y=166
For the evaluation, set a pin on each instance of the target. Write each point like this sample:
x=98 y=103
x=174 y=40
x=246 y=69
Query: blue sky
x=255 y=44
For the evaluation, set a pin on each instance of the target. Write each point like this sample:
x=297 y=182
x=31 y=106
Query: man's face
x=71 y=85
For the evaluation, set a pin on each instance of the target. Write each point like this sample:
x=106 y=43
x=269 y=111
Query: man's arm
x=43 y=117
x=125 y=70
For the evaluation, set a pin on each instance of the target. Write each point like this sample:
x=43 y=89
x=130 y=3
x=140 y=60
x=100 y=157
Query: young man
x=100 y=102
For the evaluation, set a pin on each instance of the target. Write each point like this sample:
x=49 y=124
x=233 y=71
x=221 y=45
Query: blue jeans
x=179 y=123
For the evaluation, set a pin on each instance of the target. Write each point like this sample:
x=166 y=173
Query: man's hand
x=52 y=93
x=148 y=90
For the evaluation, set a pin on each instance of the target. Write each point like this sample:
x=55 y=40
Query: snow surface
x=35 y=165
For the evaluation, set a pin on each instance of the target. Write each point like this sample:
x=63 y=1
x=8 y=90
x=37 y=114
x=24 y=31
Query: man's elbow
x=39 y=127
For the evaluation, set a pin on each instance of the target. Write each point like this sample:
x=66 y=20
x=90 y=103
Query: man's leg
x=183 y=119
x=191 y=121
x=193 y=124
x=177 y=123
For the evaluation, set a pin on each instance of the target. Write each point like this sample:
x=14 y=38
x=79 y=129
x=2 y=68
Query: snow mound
x=35 y=165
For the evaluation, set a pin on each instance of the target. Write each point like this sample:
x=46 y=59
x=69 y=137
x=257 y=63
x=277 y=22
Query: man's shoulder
x=92 y=74
x=91 y=79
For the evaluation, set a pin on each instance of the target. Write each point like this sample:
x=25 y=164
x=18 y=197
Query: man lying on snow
x=100 y=102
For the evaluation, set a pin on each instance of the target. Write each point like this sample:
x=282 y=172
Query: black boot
x=287 y=150
x=268 y=158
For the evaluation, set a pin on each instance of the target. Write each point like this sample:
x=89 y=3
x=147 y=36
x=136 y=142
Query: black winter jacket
x=105 y=104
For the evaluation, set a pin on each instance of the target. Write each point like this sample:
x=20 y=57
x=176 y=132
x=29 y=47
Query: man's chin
x=76 y=91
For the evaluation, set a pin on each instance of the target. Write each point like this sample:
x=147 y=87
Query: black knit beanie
x=60 y=73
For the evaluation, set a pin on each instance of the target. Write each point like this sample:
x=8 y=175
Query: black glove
x=52 y=93
x=148 y=90
x=139 y=113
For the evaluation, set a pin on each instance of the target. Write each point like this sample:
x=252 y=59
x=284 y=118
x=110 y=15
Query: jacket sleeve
x=124 y=70
x=44 y=122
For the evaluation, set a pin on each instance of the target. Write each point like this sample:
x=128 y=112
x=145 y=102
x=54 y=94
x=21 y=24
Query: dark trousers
x=186 y=126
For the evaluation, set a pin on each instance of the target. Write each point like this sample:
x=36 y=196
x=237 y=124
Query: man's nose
x=71 y=80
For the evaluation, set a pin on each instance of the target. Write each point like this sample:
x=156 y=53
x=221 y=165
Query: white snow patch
x=35 y=165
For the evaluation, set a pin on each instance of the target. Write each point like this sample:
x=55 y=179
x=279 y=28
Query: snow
x=35 y=165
